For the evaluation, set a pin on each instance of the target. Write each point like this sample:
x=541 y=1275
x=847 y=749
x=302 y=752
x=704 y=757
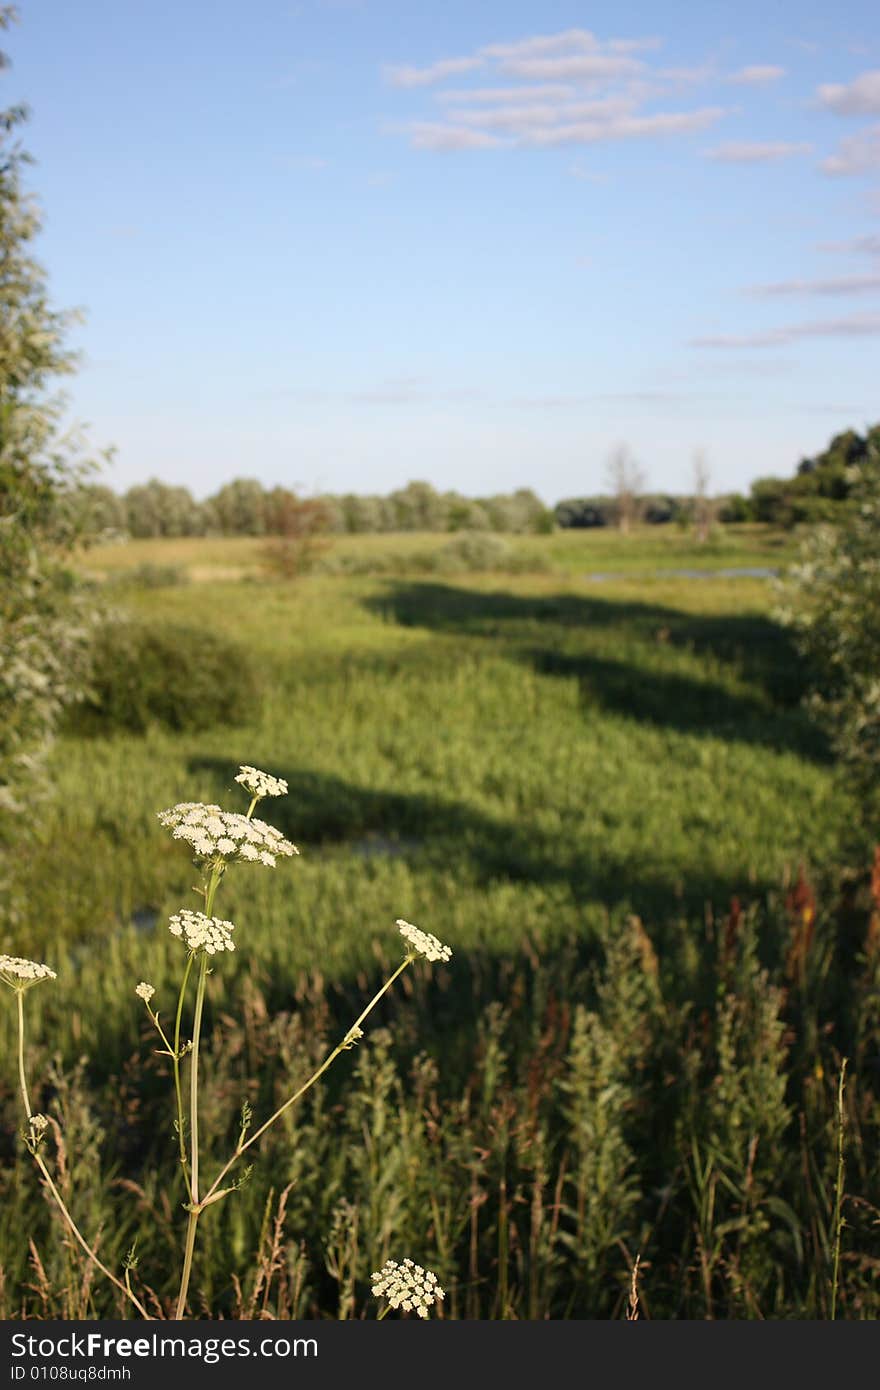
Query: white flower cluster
x=145 y=991
x=39 y=1124
x=407 y=1286
x=217 y=834
x=20 y=974
x=423 y=942
x=200 y=933
x=261 y=783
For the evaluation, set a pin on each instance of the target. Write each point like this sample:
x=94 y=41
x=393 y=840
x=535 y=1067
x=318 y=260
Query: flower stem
x=194 y=1207
x=291 y=1100
x=181 y=1137
x=47 y=1176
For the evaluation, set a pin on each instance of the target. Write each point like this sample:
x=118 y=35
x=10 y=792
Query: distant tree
x=103 y=510
x=159 y=509
x=627 y=482
x=821 y=484
x=238 y=509
x=418 y=507
x=298 y=532
x=465 y=513
x=703 y=505
x=735 y=508
x=584 y=512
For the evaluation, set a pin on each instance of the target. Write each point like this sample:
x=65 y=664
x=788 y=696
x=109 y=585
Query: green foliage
x=820 y=486
x=43 y=620
x=175 y=676
x=832 y=600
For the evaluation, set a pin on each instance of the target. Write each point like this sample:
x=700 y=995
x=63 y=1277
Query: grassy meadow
x=604 y=794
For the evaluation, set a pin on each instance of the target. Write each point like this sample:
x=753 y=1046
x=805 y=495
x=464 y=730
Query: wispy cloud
x=868 y=245
x=758 y=75
x=433 y=135
x=523 y=120
x=856 y=154
x=861 y=97
x=626 y=128
x=575 y=89
x=395 y=391
x=436 y=72
x=550 y=91
x=838 y=285
x=585 y=67
x=757 y=151
x=857 y=326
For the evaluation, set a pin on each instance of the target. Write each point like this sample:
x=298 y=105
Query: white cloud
x=861 y=97
x=550 y=91
x=857 y=326
x=840 y=284
x=539 y=45
x=689 y=77
x=757 y=151
x=585 y=67
x=429 y=135
x=625 y=127
x=860 y=245
x=857 y=154
x=436 y=72
x=524 y=119
x=757 y=75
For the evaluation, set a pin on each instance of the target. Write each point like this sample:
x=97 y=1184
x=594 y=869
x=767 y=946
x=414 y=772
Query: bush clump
x=177 y=676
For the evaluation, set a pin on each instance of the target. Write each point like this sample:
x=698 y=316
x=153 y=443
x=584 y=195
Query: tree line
x=244 y=507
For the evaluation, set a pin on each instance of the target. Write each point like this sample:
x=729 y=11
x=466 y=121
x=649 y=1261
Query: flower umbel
x=423 y=942
x=21 y=974
x=215 y=834
x=200 y=933
x=407 y=1286
x=261 y=784
x=145 y=991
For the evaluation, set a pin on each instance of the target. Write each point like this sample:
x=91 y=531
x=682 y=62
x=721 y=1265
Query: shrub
x=833 y=603
x=173 y=675
x=472 y=551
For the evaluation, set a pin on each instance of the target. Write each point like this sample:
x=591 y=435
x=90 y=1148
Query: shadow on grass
x=757 y=651
x=326 y=812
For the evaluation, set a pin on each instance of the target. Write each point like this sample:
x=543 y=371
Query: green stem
x=21 y=1076
x=181 y=1137
x=291 y=1100
x=194 y=1207
x=838 y=1190
x=47 y=1176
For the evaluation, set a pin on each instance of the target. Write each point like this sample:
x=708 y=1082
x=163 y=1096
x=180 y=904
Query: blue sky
x=341 y=244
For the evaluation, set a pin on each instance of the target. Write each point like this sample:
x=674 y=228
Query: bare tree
x=627 y=482
x=703 y=505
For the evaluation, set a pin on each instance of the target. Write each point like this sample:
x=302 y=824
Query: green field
x=518 y=763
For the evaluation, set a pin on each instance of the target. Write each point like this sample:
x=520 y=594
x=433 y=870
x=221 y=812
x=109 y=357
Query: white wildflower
x=261 y=783
x=215 y=834
x=20 y=974
x=39 y=1124
x=202 y=933
x=145 y=991
x=353 y=1036
x=407 y=1286
x=423 y=942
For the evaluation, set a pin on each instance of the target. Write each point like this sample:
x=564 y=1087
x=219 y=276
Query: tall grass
x=601 y=797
